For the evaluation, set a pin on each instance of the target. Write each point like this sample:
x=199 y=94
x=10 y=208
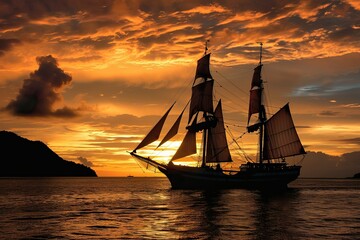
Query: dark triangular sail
x=281 y=139
x=173 y=130
x=187 y=147
x=217 y=147
x=154 y=133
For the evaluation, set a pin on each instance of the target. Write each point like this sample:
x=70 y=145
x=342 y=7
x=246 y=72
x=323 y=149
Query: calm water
x=146 y=208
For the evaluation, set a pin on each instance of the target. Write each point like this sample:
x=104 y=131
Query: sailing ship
x=278 y=139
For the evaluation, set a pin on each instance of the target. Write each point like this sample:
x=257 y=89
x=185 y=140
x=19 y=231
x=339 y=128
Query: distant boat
x=130 y=176
x=278 y=139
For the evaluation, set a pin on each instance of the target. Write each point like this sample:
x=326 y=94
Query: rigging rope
x=235 y=141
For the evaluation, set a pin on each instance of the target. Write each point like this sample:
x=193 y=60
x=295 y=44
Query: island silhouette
x=20 y=157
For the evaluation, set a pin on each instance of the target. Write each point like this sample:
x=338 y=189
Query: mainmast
x=256 y=105
x=211 y=124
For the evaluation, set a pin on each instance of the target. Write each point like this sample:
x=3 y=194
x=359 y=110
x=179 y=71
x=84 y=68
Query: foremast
x=214 y=144
x=215 y=147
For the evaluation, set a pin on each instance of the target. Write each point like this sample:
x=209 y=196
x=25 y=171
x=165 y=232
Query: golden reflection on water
x=146 y=208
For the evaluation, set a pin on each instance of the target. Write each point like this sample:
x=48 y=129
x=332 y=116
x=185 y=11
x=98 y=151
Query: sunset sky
x=90 y=78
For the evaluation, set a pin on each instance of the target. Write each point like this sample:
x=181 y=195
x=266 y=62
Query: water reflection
x=230 y=214
x=210 y=206
x=148 y=209
x=210 y=214
x=276 y=214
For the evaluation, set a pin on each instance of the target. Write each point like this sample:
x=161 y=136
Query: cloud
x=354 y=3
x=322 y=165
x=335 y=85
x=139 y=32
x=7 y=44
x=85 y=162
x=328 y=113
x=42 y=91
x=351 y=105
x=350 y=140
x=212 y=8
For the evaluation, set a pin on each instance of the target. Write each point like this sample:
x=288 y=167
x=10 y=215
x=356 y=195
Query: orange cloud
x=354 y=3
x=212 y=8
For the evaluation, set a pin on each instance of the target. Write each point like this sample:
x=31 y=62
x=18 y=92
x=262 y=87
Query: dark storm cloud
x=42 y=90
x=7 y=44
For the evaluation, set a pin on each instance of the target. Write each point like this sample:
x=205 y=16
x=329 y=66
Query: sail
x=281 y=139
x=255 y=102
x=202 y=89
x=255 y=92
x=203 y=69
x=173 y=130
x=217 y=147
x=201 y=98
x=187 y=147
x=154 y=133
x=256 y=80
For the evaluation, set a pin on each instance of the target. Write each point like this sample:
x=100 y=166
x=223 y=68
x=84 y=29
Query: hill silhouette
x=20 y=157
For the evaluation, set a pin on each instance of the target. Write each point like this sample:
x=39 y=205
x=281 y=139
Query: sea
x=147 y=208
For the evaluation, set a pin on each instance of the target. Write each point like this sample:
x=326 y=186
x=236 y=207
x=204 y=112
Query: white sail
x=154 y=133
x=217 y=148
x=281 y=139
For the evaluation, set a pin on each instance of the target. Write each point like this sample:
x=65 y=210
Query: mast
x=262 y=113
x=203 y=161
x=206 y=48
x=205 y=131
x=211 y=125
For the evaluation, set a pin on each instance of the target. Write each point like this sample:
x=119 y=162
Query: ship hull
x=269 y=177
x=184 y=177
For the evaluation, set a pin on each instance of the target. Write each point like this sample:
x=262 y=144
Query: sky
x=90 y=78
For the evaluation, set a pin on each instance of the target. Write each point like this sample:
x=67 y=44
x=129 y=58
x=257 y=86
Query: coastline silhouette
x=21 y=157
